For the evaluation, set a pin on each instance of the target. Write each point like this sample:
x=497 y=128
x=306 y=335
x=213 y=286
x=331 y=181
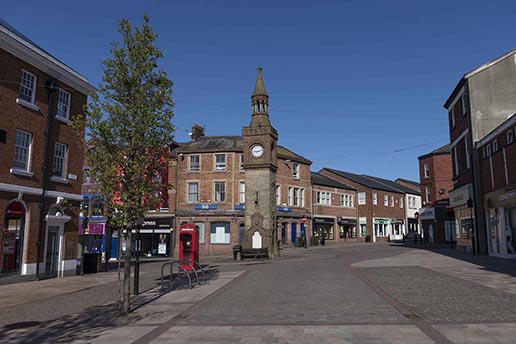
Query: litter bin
x=92 y=262
x=237 y=249
x=368 y=238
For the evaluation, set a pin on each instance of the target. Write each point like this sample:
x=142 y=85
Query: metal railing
x=184 y=267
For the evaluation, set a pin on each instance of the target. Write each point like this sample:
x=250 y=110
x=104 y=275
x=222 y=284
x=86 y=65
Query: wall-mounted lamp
x=181 y=156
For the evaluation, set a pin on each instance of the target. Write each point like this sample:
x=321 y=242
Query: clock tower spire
x=260 y=165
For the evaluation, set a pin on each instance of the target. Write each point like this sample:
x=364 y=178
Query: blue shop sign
x=285 y=209
x=205 y=206
x=239 y=207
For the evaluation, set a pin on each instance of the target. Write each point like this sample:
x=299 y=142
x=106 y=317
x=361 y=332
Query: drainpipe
x=51 y=88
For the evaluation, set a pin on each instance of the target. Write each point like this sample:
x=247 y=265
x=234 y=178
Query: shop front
x=500 y=208
x=323 y=227
x=156 y=237
x=347 y=228
x=12 y=239
x=462 y=204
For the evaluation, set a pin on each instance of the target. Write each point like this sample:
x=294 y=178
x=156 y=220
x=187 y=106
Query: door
x=293 y=233
x=52 y=254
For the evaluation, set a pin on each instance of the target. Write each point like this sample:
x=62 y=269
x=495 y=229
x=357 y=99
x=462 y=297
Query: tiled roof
x=367 y=181
x=320 y=179
x=402 y=188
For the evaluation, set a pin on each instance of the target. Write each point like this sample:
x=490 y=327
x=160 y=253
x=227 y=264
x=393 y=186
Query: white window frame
x=290 y=195
x=295 y=170
x=241 y=162
x=220 y=162
x=426 y=170
x=427 y=194
x=509 y=136
x=323 y=198
x=296 y=197
x=219 y=191
x=375 y=198
x=24 y=149
x=195 y=166
x=401 y=201
x=202 y=233
x=242 y=192
x=392 y=201
x=452 y=115
x=192 y=196
x=64 y=99
x=302 y=193
x=362 y=198
x=386 y=200
x=495 y=145
x=346 y=201
x=27 y=88
x=60 y=160
x=278 y=194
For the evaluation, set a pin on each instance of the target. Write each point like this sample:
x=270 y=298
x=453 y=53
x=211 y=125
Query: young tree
x=128 y=129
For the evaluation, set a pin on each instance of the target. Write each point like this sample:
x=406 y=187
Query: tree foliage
x=129 y=125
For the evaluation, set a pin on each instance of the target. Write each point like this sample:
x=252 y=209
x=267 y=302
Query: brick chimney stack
x=197 y=131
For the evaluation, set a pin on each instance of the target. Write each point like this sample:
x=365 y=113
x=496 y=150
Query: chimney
x=197 y=131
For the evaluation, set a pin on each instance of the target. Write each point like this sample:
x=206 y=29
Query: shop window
x=220 y=233
x=201 y=232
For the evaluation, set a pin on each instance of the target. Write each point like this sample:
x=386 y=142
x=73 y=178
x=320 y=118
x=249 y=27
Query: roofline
x=27 y=51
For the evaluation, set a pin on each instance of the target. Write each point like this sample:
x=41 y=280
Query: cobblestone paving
x=436 y=297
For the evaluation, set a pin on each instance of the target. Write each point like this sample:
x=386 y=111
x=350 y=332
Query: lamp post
x=470 y=206
x=84 y=226
x=137 y=247
x=304 y=234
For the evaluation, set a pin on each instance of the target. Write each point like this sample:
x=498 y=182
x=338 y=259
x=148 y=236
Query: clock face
x=257 y=151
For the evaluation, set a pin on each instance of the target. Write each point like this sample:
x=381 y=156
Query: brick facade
x=21 y=189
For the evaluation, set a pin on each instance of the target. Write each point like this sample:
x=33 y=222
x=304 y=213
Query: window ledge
x=63 y=119
x=21 y=172
x=27 y=104
x=59 y=180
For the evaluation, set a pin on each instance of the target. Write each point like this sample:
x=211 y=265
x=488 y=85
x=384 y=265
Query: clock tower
x=260 y=165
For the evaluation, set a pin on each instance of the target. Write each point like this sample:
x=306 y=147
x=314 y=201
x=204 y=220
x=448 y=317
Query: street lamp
x=136 y=288
x=84 y=226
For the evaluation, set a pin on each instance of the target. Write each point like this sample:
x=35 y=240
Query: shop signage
x=319 y=220
x=344 y=221
x=205 y=206
x=239 y=207
x=15 y=209
x=94 y=228
x=427 y=214
x=460 y=196
x=285 y=209
x=507 y=196
x=156 y=222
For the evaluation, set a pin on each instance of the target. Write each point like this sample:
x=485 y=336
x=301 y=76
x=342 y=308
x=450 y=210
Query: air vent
x=3 y=136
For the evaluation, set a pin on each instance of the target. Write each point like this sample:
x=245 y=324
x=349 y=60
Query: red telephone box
x=188 y=244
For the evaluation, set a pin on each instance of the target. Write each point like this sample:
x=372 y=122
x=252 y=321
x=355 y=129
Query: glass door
x=52 y=254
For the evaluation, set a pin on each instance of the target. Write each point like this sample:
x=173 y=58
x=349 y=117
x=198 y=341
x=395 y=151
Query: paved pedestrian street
x=348 y=293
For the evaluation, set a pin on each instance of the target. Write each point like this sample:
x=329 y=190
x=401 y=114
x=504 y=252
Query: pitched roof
x=228 y=143
x=444 y=150
x=373 y=182
x=394 y=185
x=320 y=179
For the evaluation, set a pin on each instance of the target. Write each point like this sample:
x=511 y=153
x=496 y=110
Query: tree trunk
x=126 y=285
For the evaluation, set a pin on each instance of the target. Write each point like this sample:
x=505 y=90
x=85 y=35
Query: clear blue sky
x=353 y=85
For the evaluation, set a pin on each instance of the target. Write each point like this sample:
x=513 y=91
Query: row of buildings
x=468 y=187
x=238 y=187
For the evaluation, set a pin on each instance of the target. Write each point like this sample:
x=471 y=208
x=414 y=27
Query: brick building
x=480 y=102
x=211 y=187
x=497 y=152
x=435 y=172
x=381 y=207
x=40 y=174
x=335 y=211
